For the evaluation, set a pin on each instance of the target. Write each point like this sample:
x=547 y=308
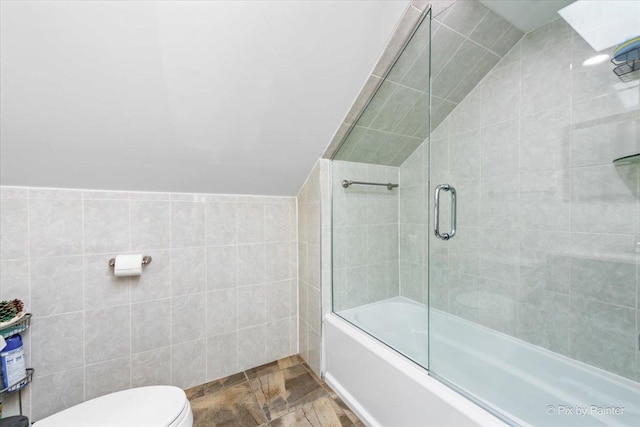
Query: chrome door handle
x=436 y=213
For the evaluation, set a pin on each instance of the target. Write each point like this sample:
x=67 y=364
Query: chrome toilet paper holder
x=145 y=260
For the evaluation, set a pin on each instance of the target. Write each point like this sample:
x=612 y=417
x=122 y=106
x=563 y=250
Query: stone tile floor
x=284 y=393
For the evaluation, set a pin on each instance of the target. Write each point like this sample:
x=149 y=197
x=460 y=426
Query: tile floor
x=284 y=393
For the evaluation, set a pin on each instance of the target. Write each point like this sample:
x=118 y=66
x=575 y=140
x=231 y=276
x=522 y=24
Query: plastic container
x=16 y=421
x=13 y=364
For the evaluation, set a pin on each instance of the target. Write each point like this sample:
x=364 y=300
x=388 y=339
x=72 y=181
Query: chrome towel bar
x=389 y=185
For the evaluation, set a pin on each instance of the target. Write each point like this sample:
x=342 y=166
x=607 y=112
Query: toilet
x=154 y=406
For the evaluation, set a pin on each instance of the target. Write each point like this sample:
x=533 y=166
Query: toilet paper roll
x=128 y=265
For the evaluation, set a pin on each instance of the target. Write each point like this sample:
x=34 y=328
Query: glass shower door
x=379 y=209
x=534 y=299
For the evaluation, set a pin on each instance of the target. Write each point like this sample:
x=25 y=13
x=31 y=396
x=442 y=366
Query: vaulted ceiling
x=208 y=96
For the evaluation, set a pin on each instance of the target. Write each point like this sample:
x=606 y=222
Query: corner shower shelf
x=22 y=324
x=24 y=381
x=626 y=63
x=8 y=330
x=627 y=160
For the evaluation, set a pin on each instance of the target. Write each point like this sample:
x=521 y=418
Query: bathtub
x=529 y=385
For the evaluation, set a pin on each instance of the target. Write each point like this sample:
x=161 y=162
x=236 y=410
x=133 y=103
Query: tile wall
x=468 y=40
x=365 y=237
x=548 y=226
x=220 y=295
x=414 y=226
x=309 y=265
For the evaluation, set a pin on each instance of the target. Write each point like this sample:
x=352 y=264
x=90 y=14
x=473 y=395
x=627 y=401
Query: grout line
x=171 y=379
x=206 y=300
x=84 y=311
x=130 y=303
x=29 y=260
x=237 y=240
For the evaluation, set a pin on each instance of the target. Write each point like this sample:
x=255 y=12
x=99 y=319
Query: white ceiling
x=203 y=96
x=527 y=15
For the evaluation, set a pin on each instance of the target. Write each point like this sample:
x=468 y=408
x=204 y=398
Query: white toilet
x=155 y=406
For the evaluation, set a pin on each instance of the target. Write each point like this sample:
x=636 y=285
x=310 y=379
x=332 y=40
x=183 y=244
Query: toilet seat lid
x=154 y=406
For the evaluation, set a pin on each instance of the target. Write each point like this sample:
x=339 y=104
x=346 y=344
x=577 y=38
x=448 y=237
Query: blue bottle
x=13 y=364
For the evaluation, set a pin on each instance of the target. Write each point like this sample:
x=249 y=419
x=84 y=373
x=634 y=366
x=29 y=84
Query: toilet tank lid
x=154 y=406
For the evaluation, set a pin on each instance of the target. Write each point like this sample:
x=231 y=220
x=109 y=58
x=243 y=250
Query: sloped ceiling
x=467 y=41
x=202 y=96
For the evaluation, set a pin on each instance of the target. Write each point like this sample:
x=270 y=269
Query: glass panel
x=379 y=233
x=534 y=301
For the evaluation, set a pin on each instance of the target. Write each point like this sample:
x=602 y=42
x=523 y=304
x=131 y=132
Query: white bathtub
x=384 y=319
x=529 y=385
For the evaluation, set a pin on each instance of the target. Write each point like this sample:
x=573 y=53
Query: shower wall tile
x=546 y=248
x=277 y=339
x=251 y=264
x=222 y=267
x=550 y=35
x=7 y=193
x=251 y=306
x=150 y=325
x=587 y=148
x=251 y=347
x=499 y=149
x=502 y=86
x=467 y=41
x=464 y=16
x=366 y=245
x=543 y=319
x=187 y=224
x=222 y=355
x=222 y=313
x=545 y=142
x=603 y=335
x=188 y=318
x=250 y=223
x=63 y=338
x=56 y=285
x=106 y=226
x=54 y=194
x=490 y=30
x=468 y=56
x=278 y=300
x=545 y=261
x=107 y=377
x=101 y=287
x=555 y=89
x=309 y=256
x=544 y=200
x=178 y=322
x=222 y=221
x=14 y=240
x=107 y=333
x=188 y=271
x=14 y=280
x=150 y=225
x=150 y=367
x=604 y=192
x=474 y=74
x=155 y=283
x=465 y=155
x=188 y=363
x=69 y=386
x=55 y=227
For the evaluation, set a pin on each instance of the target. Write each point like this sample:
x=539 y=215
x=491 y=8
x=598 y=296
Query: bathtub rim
x=459 y=401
